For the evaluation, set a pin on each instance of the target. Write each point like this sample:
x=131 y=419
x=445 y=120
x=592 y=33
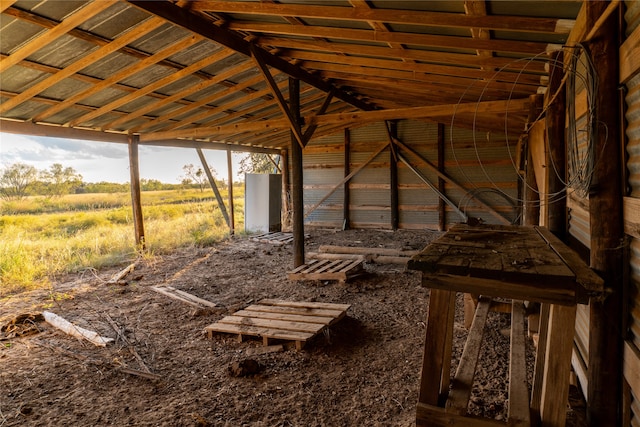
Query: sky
x=104 y=161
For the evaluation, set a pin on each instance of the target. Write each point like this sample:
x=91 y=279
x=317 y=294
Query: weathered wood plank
x=519 y=412
x=284 y=316
x=281 y=325
x=555 y=388
x=183 y=296
x=434 y=416
x=320 y=312
x=364 y=251
x=463 y=380
x=257 y=331
x=305 y=304
x=585 y=276
x=498 y=288
x=435 y=364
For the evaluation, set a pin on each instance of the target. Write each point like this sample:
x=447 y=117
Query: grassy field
x=42 y=238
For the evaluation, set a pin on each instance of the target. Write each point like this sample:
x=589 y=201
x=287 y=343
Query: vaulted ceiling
x=217 y=71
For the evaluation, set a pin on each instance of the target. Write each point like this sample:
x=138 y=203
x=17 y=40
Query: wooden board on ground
x=281 y=320
x=325 y=269
x=276 y=238
x=183 y=296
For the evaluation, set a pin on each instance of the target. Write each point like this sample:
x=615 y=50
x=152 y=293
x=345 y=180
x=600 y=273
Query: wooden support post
x=541 y=355
x=136 y=203
x=286 y=189
x=559 y=345
x=436 y=360
x=346 y=212
x=605 y=205
x=297 y=178
x=531 y=193
x=442 y=209
x=556 y=170
x=232 y=222
x=214 y=187
x=392 y=128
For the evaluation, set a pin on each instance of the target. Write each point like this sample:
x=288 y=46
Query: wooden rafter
x=227 y=74
x=511 y=106
x=185 y=19
x=256 y=54
x=46 y=37
x=513 y=23
x=314 y=59
x=531 y=48
x=458 y=59
x=120 y=75
x=153 y=86
x=138 y=31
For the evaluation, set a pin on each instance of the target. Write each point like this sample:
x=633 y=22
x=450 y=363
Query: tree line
x=20 y=180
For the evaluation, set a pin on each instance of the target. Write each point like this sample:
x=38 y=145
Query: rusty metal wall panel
x=482 y=164
x=632 y=115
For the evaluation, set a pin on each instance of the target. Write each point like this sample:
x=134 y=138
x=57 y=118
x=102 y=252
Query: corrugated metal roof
x=155 y=68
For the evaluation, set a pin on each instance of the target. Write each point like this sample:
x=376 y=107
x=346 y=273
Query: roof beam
x=450 y=42
x=256 y=54
x=509 y=106
x=416 y=17
x=198 y=25
x=459 y=59
x=445 y=70
x=28 y=128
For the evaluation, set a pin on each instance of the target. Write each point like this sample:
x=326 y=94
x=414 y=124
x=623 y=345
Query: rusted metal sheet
x=632 y=115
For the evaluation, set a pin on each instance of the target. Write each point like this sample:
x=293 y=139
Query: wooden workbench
x=515 y=262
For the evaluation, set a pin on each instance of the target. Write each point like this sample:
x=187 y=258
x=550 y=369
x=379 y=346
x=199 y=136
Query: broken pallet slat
x=308 y=311
x=271 y=324
x=276 y=237
x=305 y=304
x=284 y=316
x=283 y=320
x=183 y=296
x=340 y=270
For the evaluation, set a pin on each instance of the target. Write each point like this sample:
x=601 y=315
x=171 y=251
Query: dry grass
x=41 y=239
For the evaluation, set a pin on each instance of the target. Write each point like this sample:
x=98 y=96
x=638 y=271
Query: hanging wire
x=580 y=141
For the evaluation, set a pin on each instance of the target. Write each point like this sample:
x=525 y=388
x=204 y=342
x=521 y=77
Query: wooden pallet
x=281 y=320
x=276 y=238
x=326 y=269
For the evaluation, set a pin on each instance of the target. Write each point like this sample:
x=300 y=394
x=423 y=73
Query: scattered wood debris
x=116 y=278
x=245 y=368
x=74 y=330
x=183 y=296
x=255 y=351
x=282 y=320
x=275 y=238
x=21 y=325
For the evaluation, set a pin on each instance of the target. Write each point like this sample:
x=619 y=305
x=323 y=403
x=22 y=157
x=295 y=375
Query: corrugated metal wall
x=578 y=209
x=481 y=164
x=632 y=344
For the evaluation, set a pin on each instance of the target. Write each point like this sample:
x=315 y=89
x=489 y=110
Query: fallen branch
x=74 y=330
x=121 y=274
x=143 y=374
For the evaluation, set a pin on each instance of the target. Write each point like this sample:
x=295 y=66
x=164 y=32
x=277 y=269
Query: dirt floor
x=161 y=370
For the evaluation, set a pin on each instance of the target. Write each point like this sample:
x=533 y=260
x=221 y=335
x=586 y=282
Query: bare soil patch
x=365 y=371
